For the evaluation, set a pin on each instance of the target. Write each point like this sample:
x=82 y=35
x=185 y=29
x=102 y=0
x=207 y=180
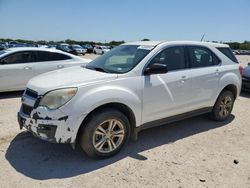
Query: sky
x=129 y=20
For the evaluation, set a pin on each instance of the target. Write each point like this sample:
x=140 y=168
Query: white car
x=19 y=65
x=133 y=87
x=100 y=50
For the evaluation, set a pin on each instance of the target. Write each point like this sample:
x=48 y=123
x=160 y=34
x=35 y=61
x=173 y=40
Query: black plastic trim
x=171 y=119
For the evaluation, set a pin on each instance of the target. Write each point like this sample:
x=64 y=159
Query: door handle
x=183 y=79
x=60 y=66
x=217 y=72
x=27 y=68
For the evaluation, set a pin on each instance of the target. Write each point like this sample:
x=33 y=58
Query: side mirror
x=156 y=68
x=249 y=64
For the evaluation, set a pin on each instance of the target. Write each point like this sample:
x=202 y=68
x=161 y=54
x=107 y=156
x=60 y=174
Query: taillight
x=241 y=70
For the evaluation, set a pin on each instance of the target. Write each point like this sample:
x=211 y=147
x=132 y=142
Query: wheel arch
x=232 y=88
x=126 y=110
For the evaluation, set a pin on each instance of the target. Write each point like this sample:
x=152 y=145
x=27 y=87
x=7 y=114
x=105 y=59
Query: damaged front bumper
x=43 y=131
x=50 y=125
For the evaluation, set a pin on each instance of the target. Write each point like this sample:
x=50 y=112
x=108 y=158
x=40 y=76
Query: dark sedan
x=246 y=79
x=77 y=49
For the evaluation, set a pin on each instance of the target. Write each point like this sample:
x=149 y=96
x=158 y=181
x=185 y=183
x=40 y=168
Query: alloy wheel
x=225 y=106
x=108 y=136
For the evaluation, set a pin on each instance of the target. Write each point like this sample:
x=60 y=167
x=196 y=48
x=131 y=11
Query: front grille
x=31 y=93
x=26 y=109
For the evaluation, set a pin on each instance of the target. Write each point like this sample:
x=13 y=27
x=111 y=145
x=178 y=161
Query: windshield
x=121 y=59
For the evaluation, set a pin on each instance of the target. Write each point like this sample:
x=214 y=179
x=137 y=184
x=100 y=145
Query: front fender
x=87 y=101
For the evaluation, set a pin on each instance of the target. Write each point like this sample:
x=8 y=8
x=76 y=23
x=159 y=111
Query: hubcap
x=225 y=106
x=108 y=136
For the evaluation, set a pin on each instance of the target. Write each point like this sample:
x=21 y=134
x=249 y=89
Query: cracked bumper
x=43 y=131
x=52 y=129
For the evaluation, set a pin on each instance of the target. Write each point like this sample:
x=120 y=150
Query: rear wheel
x=223 y=106
x=105 y=133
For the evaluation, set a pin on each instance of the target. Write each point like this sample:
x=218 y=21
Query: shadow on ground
x=41 y=160
x=10 y=95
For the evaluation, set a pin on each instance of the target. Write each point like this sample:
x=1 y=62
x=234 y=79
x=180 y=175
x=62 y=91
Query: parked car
x=101 y=49
x=244 y=52
x=3 y=46
x=246 y=79
x=52 y=46
x=77 y=49
x=64 y=47
x=19 y=65
x=135 y=86
x=89 y=48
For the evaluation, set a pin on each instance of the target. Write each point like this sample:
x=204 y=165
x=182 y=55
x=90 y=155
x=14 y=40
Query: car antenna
x=203 y=37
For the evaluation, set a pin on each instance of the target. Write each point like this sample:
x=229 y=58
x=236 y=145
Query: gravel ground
x=196 y=152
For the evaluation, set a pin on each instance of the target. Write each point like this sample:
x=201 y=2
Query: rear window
x=228 y=52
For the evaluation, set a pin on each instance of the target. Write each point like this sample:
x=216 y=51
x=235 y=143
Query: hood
x=68 y=77
x=246 y=71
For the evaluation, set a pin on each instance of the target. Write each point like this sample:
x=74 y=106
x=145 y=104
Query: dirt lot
x=192 y=153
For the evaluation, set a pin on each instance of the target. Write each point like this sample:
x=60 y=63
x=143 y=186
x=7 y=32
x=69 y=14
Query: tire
x=97 y=144
x=221 y=111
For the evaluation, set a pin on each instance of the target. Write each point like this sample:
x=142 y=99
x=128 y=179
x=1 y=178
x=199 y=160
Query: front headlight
x=57 y=98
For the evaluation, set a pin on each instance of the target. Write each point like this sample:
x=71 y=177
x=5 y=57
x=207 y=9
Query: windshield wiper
x=100 y=69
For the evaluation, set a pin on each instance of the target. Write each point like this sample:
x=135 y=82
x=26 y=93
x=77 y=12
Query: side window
x=57 y=56
x=50 y=56
x=202 y=57
x=173 y=57
x=17 y=58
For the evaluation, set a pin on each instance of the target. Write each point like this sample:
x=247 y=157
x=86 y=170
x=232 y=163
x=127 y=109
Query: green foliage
x=240 y=46
x=69 y=41
x=234 y=45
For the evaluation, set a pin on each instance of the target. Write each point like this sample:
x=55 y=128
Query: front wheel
x=223 y=106
x=105 y=133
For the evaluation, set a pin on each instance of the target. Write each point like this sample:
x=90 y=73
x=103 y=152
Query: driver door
x=166 y=95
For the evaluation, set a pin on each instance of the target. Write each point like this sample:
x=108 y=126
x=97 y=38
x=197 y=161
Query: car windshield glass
x=121 y=59
x=2 y=52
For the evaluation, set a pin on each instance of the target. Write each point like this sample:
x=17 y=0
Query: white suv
x=134 y=86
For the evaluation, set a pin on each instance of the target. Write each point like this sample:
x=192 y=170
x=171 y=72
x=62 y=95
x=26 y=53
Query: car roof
x=18 y=49
x=155 y=43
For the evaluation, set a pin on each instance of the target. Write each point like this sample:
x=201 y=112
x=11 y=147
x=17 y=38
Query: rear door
x=49 y=61
x=206 y=71
x=16 y=70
